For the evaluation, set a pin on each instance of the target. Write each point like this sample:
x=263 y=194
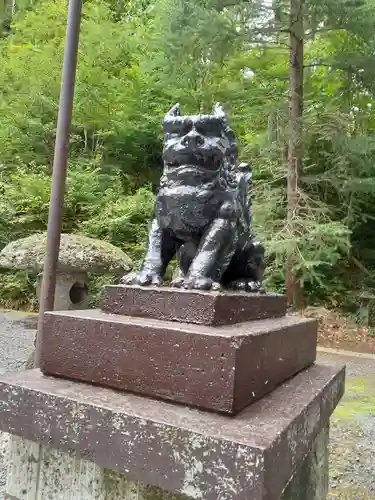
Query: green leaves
x=136 y=59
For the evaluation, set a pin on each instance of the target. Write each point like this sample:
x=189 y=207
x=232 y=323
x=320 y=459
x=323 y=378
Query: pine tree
x=200 y=40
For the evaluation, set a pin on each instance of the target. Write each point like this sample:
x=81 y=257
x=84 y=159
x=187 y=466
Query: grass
x=359 y=399
x=351 y=494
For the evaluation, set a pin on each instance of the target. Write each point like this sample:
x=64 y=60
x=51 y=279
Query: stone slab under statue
x=211 y=308
x=221 y=368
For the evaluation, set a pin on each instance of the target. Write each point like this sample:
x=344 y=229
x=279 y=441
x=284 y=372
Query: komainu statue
x=202 y=211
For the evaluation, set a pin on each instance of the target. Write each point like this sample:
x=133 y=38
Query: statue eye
x=177 y=129
x=209 y=129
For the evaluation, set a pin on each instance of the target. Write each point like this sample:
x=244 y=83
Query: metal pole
x=60 y=162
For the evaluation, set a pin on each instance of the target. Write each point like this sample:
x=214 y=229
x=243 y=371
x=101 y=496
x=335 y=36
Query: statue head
x=205 y=142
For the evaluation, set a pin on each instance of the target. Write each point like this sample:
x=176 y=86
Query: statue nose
x=192 y=139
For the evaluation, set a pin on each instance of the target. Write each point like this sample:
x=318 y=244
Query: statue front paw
x=200 y=283
x=143 y=278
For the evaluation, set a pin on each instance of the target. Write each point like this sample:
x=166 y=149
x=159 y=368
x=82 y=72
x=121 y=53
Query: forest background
x=136 y=59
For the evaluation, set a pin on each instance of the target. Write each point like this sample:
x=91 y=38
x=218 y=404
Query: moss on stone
x=78 y=253
x=359 y=398
x=351 y=456
x=351 y=494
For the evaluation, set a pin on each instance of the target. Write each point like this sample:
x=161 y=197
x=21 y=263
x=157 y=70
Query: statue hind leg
x=246 y=269
x=185 y=257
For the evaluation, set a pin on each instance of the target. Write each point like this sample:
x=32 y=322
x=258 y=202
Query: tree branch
x=314 y=65
x=326 y=65
x=271 y=44
x=322 y=30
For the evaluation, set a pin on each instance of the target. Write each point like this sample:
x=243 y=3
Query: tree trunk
x=7 y=10
x=293 y=285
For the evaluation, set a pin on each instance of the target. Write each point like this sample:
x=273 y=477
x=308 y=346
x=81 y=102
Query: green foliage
x=123 y=221
x=138 y=58
x=18 y=291
x=94 y=205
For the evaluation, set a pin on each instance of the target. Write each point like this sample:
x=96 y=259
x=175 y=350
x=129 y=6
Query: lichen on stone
x=78 y=253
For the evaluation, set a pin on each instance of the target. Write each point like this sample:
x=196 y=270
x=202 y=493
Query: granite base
x=181 y=451
x=37 y=473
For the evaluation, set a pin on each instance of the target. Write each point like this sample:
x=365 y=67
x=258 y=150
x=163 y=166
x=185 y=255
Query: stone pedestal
x=222 y=369
x=191 y=306
x=210 y=360
x=115 y=413
x=38 y=473
x=182 y=451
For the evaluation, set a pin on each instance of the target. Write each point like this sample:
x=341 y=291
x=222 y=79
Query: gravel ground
x=352 y=426
x=16 y=344
x=16 y=339
x=352 y=436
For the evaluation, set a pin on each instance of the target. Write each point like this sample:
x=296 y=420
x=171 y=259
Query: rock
x=78 y=253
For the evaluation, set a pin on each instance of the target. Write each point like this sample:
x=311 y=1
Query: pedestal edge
x=170 y=446
x=191 y=306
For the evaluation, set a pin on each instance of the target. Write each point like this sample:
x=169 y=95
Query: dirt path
x=341 y=332
x=352 y=425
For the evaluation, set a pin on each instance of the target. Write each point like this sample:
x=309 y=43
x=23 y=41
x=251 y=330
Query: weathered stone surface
x=78 y=253
x=23 y=469
x=39 y=472
x=198 y=454
x=71 y=291
x=310 y=481
x=217 y=368
x=191 y=306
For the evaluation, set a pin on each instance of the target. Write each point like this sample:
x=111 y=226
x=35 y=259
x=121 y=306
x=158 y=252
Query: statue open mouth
x=196 y=160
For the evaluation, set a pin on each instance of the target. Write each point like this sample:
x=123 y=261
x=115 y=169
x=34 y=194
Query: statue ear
x=219 y=112
x=175 y=111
